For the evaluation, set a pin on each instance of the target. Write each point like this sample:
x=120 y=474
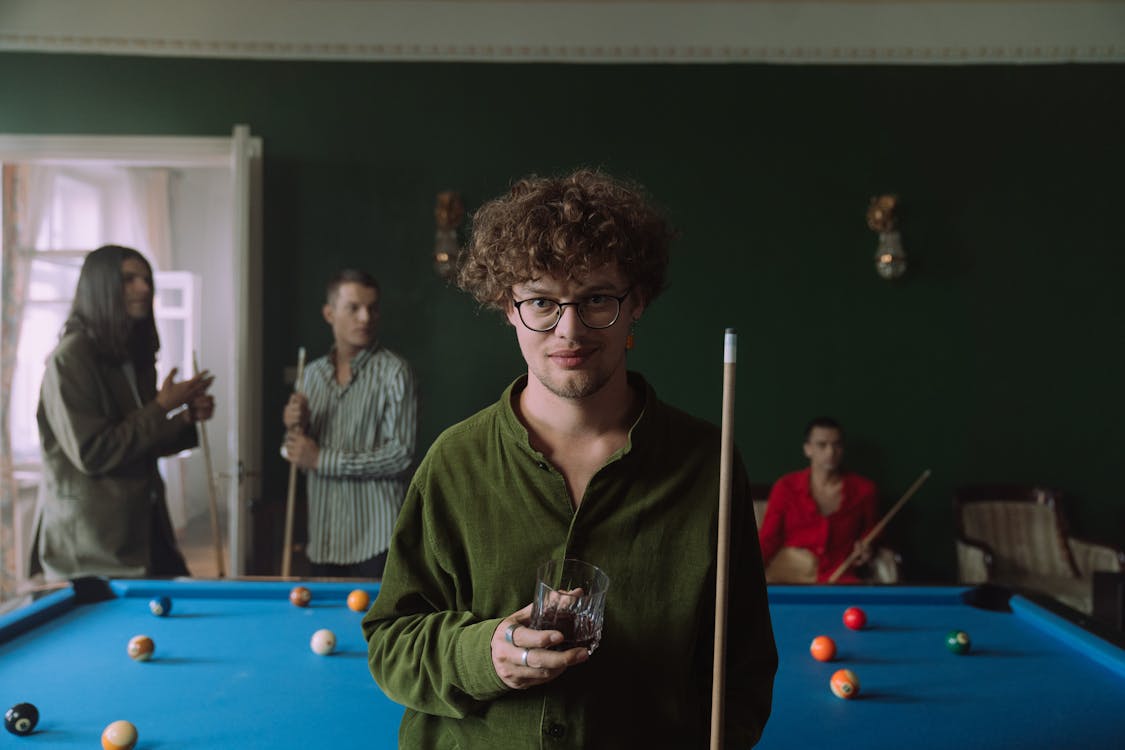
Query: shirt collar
x=641 y=428
x=360 y=360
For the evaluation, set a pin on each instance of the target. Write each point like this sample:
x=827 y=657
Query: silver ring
x=523 y=659
x=509 y=631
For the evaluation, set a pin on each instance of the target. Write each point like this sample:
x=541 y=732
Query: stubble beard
x=573 y=384
x=578 y=385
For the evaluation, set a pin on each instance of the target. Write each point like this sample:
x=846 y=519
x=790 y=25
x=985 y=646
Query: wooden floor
x=199 y=551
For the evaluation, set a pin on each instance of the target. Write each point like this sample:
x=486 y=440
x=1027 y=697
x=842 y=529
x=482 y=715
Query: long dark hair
x=99 y=309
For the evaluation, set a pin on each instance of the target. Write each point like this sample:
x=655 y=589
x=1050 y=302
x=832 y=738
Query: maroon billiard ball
x=300 y=596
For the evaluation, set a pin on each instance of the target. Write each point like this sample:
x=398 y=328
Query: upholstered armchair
x=885 y=565
x=1016 y=535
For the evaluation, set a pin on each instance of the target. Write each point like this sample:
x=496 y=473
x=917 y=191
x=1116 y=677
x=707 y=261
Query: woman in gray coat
x=102 y=425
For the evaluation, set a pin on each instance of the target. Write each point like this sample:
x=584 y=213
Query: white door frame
x=241 y=155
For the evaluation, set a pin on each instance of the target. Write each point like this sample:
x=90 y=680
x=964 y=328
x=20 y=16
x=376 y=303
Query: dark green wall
x=998 y=357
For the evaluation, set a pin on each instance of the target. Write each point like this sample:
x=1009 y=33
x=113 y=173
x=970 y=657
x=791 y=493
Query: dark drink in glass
x=579 y=629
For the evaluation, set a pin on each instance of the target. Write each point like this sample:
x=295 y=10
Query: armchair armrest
x=1091 y=556
x=974 y=561
x=885 y=566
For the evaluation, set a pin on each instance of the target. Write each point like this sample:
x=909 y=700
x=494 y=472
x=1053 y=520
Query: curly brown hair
x=564 y=227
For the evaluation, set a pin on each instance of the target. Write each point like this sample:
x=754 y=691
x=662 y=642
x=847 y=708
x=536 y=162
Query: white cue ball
x=323 y=642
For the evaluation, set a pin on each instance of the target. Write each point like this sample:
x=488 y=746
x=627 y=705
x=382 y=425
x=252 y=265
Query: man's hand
x=296 y=413
x=862 y=553
x=200 y=409
x=526 y=660
x=173 y=395
x=301 y=449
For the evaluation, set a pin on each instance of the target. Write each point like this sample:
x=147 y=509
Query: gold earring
x=630 y=340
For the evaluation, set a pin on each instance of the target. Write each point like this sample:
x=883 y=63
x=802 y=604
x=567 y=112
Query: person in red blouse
x=817 y=516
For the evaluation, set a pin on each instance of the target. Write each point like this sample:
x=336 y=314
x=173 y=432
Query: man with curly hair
x=578 y=458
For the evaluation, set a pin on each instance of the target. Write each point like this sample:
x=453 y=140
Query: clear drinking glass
x=570 y=598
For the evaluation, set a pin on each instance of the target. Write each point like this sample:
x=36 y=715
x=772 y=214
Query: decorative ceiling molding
x=606 y=31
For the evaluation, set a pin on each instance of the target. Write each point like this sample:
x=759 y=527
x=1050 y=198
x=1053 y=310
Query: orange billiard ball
x=120 y=735
x=300 y=596
x=358 y=600
x=140 y=648
x=844 y=684
x=823 y=648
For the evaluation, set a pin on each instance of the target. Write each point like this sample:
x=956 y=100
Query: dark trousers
x=370 y=568
x=165 y=558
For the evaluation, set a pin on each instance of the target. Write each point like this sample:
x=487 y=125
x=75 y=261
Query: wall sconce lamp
x=448 y=213
x=890 y=258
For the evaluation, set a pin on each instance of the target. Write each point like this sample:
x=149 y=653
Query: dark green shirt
x=485 y=509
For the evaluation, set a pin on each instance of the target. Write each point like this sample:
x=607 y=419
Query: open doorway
x=190 y=206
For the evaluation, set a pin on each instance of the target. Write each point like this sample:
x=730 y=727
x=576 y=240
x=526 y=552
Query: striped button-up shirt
x=366 y=431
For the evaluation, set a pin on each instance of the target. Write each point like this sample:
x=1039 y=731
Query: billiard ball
x=844 y=684
x=160 y=606
x=823 y=648
x=120 y=735
x=21 y=719
x=141 y=647
x=958 y=642
x=358 y=600
x=323 y=642
x=855 y=618
x=300 y=596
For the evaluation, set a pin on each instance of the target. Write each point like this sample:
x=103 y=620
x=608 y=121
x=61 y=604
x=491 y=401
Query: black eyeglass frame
x=577 y=308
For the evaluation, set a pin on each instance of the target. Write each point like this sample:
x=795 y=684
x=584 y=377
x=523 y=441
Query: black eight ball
x=21 y=719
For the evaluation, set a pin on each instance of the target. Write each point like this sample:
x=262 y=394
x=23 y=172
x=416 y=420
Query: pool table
x=1033 y=677
x=233 y=669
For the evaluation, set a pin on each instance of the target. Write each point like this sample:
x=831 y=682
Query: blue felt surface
x=230 y=672
x=1018 y=687
x=233 y=669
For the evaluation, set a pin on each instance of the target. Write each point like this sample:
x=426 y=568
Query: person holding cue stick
x=817 y=517
x=351 y=426
x=578 y=458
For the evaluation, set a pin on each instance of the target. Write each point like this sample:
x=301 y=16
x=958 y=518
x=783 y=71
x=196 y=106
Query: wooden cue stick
x=878 y=528
x=291 y=497
x=216 y=537
x=726 y=460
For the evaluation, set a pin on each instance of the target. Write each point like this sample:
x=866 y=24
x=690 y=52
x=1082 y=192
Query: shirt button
x=556 y=730
x=542 y=465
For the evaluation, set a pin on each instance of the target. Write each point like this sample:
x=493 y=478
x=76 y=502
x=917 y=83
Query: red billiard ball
x=855 y=618
x=140 y=648
x=300 y=596
x=844 y=684
x=358 y=600
x=120 y=735
x=823 y=648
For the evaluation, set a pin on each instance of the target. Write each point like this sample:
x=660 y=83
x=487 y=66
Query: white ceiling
x=627 y=31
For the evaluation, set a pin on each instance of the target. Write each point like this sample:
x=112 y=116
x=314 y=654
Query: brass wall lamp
x=890 y=258
x=448 y=214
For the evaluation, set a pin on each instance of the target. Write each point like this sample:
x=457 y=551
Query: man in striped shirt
x=352 y=428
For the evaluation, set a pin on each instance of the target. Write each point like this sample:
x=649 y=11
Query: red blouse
x=793 y=520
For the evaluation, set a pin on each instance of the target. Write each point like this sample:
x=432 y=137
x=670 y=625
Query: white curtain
x=151 y=217
x=151 y=213
x=34 y=188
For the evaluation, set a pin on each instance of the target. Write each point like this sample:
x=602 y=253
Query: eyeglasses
x=541 y=314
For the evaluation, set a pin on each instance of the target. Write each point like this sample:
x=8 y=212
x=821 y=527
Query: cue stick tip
x=730 y=347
